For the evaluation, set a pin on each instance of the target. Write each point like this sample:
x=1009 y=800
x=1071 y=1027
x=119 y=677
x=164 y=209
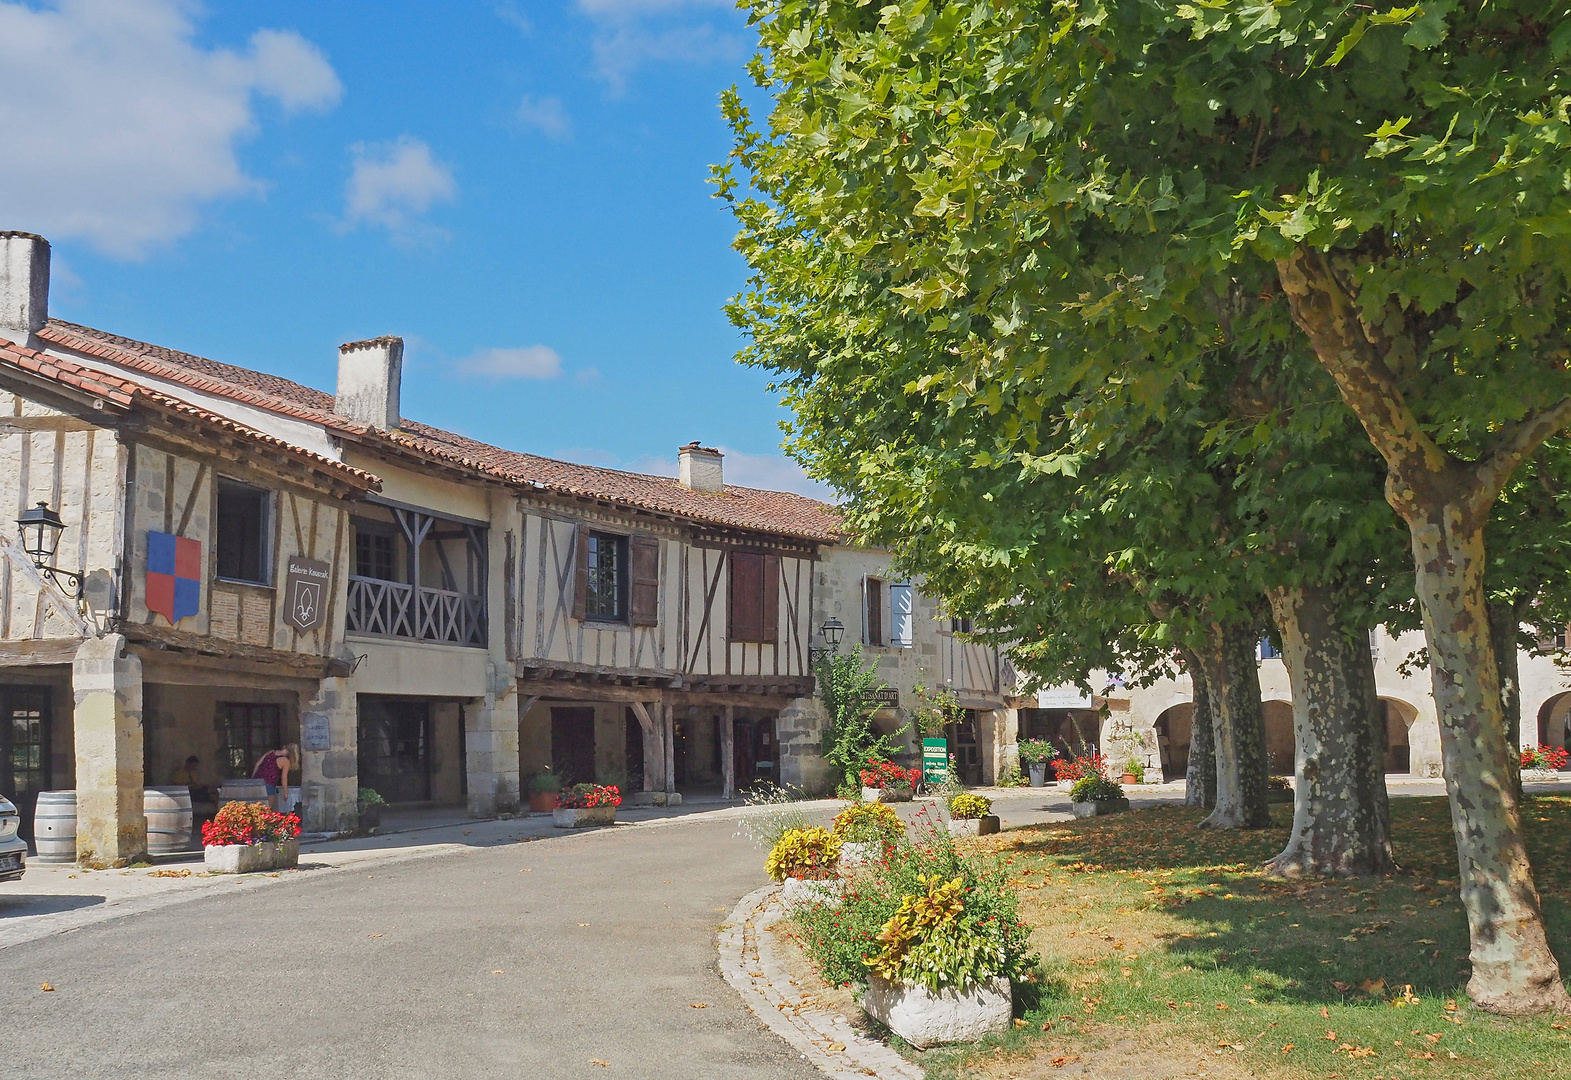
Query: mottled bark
x=1445 y=502
x=1228 y=663
x=1341 y=820
x=1200 y=777
x=1503 y=623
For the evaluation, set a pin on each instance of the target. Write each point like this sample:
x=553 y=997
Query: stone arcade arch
x=1553 y=718
x=1174 y=728
x=1399 y=744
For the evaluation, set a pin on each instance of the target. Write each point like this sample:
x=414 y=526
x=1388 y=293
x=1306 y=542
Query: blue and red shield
x=174 y=576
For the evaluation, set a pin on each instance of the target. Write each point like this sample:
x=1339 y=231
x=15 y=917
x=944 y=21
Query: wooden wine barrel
x=168 y=813
x=243 y=791
x=54 y=827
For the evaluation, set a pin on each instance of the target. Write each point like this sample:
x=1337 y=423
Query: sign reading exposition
x=305 y=593
x=174 y=576
x=935 y=760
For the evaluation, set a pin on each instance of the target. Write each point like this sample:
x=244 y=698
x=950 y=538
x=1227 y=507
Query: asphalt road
x=534 y=959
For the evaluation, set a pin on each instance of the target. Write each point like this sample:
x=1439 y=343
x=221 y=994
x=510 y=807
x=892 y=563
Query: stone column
x=107 y=686
x=330 y=777
x=491 y=748
x=799 y=731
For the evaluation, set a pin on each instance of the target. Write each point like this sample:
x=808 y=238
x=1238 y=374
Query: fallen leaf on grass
x=1355 y=1051
x=1373 y=986
x=1020 y=1023
x=1060 y=1062
x=1331 y=1036
x=46 y=988
x=1341 y=987
x=1286 y=1048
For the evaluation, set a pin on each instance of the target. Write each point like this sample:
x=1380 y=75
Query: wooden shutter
x=646 y=581
x=580 y=571
x=770 y=606
x=746 y=596
x=875 y=611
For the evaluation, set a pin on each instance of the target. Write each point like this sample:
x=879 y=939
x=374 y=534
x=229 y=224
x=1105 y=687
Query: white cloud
x=126 y=126
x=530 y=362
x=393 y=183
x=631 y=33
x=771 y=472
x=545 y=115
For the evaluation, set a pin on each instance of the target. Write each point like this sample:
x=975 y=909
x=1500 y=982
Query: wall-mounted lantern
x=41 y=528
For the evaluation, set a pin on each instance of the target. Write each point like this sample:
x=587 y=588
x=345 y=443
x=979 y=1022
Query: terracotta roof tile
x=778 y=512
x=126 y=393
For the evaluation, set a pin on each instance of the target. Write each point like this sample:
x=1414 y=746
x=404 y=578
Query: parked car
x=13 y=849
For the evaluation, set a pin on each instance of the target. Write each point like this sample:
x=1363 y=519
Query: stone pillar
x=107 y=686
x=491 y=748
x=799 y=731
x=330 y=776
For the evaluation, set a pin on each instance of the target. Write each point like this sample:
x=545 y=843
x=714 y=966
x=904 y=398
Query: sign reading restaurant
x=305 y=593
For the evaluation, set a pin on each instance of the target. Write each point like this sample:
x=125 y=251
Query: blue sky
x=516 y=188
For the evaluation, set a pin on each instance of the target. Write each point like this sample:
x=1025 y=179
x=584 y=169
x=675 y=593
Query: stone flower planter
x=251 y=858
x=859 y=854
x=886 y=794
x=583 y=818
x=1099 y=807
x=1539 y=776
x=923 y=1018
x=982 y=826
x=796 y=892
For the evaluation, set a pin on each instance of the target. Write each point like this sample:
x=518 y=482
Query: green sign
x=935 y=760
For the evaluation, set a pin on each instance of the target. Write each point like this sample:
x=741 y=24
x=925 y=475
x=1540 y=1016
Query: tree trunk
x=1238 y=723
x=1341 y=821
x=1513 y=969
x=1503 y=623
x=1200 y=777
x=1445 y=502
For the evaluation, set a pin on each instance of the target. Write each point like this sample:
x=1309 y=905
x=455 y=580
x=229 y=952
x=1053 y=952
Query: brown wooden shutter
x=580 y=571
x=746 y=599
x=875 y=611
x=646 y=581
x=770 y=607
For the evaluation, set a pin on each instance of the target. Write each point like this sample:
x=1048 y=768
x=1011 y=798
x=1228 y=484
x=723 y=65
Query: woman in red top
x=272 y=768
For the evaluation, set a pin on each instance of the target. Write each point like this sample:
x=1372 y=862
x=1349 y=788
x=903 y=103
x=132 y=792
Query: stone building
x=264 y=563
x=1152 y=724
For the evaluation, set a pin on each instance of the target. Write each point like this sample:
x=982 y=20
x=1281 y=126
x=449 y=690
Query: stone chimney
x=24 y=286
x=369 y=374
x=698 y=468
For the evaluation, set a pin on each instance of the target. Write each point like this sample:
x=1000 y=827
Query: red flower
x=248 y=823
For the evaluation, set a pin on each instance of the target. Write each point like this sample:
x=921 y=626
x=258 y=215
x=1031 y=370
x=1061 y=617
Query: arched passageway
x=1399 y=750
x=1554 y=716
x=1174 y=729
x=1280 y=760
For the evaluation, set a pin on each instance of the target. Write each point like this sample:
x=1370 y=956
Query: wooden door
x=24 y=748
x=743 y=752
x=573 y=744
x=766 y=764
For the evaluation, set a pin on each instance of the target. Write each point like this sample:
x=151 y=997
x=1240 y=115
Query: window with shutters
x=242 y=532
x=605 y=578
x=645 y=599
x=755 y=596
x=872 y=611
x=902 y=617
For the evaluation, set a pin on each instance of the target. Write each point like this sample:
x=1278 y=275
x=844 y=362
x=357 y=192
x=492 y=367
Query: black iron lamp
x=833 y=630
x=41 y=528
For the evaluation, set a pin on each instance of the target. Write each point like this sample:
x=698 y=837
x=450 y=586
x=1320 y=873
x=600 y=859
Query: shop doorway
x=24 y=748
x=754 y=750
x=961 y=736
x=573 y=744
x=395 y=748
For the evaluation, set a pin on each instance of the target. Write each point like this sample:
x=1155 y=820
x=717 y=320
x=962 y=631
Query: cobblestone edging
x=824 y=1038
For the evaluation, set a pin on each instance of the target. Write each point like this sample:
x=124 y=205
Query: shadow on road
x=12 y=907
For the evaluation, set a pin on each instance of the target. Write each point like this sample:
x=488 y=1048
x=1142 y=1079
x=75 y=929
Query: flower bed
x=1079 y=767
x=1550 y=758
x=583 y=805
x=869 y=823
x=923 y=932
x=886 y=774
x=967 y=805
x=246 y=837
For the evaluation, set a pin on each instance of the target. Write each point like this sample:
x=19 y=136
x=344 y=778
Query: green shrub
x=371 y=797
x=1137 y=769
x=1011 y=776
x=869 y=823
x=1037 y=750
x=1095 y=788
x=545 y=782
x=970 y=806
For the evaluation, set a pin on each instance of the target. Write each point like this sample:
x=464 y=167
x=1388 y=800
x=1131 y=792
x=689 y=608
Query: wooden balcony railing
x=393 y=609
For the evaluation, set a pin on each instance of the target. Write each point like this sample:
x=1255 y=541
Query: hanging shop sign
x=305 y=593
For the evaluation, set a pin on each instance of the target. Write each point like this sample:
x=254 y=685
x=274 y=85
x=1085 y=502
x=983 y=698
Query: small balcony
x=401 y=547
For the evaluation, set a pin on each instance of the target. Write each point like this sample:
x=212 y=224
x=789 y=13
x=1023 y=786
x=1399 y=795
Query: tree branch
x=1515 y=444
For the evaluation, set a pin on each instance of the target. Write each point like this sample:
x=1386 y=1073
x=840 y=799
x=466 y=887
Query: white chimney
x=699 y=469
x=369 y=373
x=24 y=286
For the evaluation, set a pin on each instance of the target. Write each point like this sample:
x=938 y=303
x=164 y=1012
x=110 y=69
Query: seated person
x=187 y=775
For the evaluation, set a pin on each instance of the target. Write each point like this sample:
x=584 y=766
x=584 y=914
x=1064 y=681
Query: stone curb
x=826 y=1039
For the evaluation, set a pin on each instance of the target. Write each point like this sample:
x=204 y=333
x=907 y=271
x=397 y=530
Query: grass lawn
x=1168 y=954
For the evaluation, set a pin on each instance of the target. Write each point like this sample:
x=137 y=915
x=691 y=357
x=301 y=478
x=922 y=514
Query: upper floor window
x=755 y=597
x=889 y=613
x=960 y=626
x=606 y=577
x=242 y=533
x=374 y=552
